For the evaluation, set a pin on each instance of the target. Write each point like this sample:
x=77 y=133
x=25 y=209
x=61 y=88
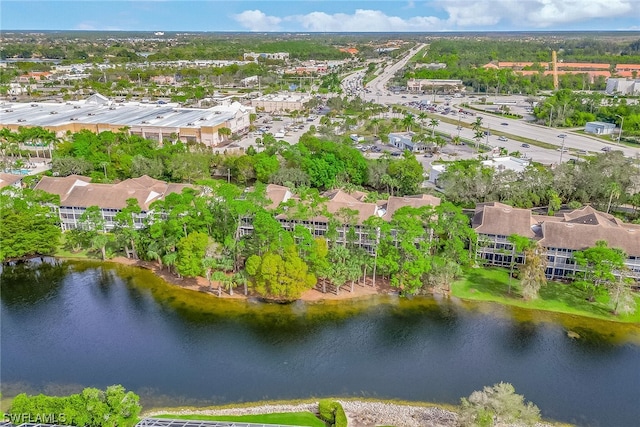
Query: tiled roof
x=575 y=230
x=336 y=200
x=277 y=194
x=580 y=236
x=394 y=203
x=7 y=179
x=77 y=191
x=500 y=219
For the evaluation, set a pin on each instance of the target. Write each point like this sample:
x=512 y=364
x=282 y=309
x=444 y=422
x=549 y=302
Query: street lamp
x=550 y=115
x=459 y=127
x=563 y=136
x=621 y=124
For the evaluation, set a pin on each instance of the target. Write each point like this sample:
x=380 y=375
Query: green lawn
x=287 y=418
x=492 y=284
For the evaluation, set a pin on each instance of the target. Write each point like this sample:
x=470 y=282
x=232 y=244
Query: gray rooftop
x=124 y=114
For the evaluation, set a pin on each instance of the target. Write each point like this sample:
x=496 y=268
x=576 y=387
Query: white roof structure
x=507 y=163
x=95 y=110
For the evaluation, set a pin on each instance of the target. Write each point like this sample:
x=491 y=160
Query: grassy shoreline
x=491 y=284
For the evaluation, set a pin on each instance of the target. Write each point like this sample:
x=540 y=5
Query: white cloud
x=531 y=13
x=256 y=20
x=363 y=20
x=461 y=15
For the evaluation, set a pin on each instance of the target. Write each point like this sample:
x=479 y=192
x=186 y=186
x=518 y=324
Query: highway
x=575 y=144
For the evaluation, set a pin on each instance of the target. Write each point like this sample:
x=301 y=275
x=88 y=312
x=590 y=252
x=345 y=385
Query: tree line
x=465 y=58
x=569 y=109
x=605 y=180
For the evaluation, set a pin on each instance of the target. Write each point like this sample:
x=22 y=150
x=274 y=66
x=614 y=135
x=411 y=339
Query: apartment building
x=350 y=210
x=561 y=235
x=77 y=194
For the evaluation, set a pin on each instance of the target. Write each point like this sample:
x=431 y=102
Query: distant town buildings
x=433 y=85
x=309 y=67
x=250 y=81
x=280 y=102
x=593 y=70
x=432 y=65
x=253 y=56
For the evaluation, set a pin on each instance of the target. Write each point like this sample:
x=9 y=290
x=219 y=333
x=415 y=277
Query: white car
x=502 y=138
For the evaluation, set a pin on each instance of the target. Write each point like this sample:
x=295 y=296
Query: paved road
x=575 y=144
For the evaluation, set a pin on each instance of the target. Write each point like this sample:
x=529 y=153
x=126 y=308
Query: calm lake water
x=68 y=325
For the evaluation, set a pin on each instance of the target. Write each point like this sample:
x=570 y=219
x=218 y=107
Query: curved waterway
x=67 y=325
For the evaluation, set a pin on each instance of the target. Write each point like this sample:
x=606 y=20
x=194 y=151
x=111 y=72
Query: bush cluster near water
x=332 y=413
x=93 y=407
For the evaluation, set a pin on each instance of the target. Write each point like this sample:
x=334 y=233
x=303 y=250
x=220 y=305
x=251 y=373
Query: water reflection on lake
x=67 y=325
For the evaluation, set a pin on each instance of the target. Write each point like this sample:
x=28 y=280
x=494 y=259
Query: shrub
x=332 y=413
x=93 y=407
x=497 y=404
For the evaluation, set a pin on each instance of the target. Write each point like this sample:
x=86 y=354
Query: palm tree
x=170 y=259
x=408 y=121
x=477 y=131
x=422 y=116
x=209 y=264
x=375 y=123
x=225 y=133
x=220 y=277
x=240 y=278
x=614 y=192
x=390 y=183
x=439 y=142
x=433 y=123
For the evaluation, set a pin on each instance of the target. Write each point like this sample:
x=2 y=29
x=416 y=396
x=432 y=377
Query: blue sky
x=321 y=16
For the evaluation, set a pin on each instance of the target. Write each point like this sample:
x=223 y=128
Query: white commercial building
x=623 y=87
x=600 y=128
x=281 y=102
x=157 y=121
